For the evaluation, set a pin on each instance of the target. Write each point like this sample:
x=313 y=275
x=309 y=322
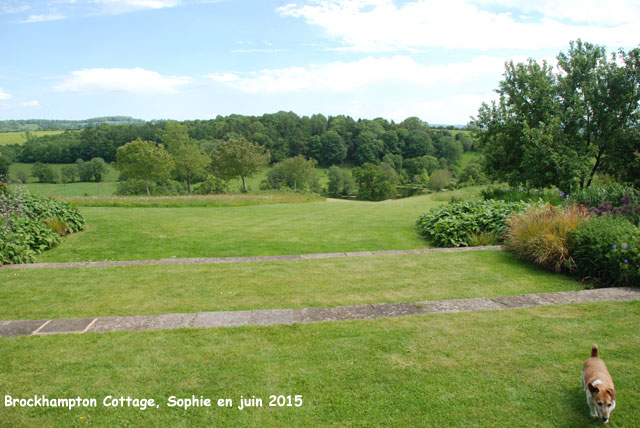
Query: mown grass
x=275 y=229
x=19 y=137
x=513 y=368
x=152 y=290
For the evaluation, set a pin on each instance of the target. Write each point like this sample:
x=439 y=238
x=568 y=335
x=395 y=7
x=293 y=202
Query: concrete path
x=209 y=260
x=305 y=315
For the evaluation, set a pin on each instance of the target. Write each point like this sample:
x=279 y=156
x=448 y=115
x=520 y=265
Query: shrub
x=453 y=225
x=440 y=179
x=340 y=183
x=211 y=185
x=44 y=173
x=612 y=199
x=514 y=194
x=606 y=251
x=540 y=235
x=375 y=182
x=31 y=224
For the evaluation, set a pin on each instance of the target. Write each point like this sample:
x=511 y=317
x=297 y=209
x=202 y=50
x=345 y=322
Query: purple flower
x=624 y=247
x=626 y=261
x=562 y=194
x=614 y=246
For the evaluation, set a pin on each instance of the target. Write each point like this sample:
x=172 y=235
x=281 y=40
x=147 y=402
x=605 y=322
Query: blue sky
x=196 y=59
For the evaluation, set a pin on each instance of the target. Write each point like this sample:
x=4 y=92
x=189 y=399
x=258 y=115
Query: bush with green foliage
x=295 y=173
x=514 y=194
x=31 y=224
x=540 y=235
x=440 y=179
x=606 y=251
x=212 y=185
x=341 y=182
x=44 y=173
x=454 y=224
x=375 y=182
x=133 y=187
x=612 y=199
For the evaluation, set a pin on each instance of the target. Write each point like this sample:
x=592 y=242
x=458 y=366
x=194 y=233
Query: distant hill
x=57 y=125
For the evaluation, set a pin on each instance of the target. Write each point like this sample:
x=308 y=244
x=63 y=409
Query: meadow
x=19 y=137
x=478 y=369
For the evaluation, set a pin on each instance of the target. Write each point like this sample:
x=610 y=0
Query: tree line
x=329 y=140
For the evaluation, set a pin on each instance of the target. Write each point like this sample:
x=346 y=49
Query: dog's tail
x=594 y=351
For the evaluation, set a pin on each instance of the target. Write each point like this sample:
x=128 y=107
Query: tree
x=440 y=179
x=238 y=157
x=4 y=167
x=293 y=172
x=561 y=129
x=328 y=149
x=92 y=170
x=68 y=173
x=144 y=160
x=44 y=173
x=375 y=183
x=190 y=162
x=340 y=183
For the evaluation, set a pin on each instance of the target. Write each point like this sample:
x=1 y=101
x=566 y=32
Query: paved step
x=213 y=260
x=307 y=315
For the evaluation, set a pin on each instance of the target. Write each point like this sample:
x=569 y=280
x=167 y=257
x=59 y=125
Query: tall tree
x=143 y=160
x=561 y=129
x=238 y=157
x=189 y=160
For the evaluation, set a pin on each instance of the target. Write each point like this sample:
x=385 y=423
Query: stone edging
x=306 y=315
x=211 y=260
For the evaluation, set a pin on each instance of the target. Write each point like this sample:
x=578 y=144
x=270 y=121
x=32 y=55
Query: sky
x=196 y=59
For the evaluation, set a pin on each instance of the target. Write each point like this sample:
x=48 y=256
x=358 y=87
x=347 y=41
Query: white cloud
x=4 y=96
x=124 y=6
x=132 y=80
x=43 y=18
x=33 y=103
x=610 y=12
x=379 y=25
x=347 y=76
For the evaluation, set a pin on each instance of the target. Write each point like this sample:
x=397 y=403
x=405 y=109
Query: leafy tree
x=144 y=160
x=293 y=172
x=440 y=179
x=418 y=166
x=190 y=162
x=341 y=182
x=69 y=173
x=4 y=166
x=561 y=129
x=328 y=149
x=375 y=183
x=92 y=170
x=473 y=174
x=368 y=148
x=238 y=158
x=44 y=173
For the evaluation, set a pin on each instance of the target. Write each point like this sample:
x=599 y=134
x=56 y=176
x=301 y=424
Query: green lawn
x=151 y=290
x=513 y=368
x=277 y=229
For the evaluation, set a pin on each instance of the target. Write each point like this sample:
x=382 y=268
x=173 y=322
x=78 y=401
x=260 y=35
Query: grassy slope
x=145 y=290
x=19 y=137
x=512 y=368
x=276 y=229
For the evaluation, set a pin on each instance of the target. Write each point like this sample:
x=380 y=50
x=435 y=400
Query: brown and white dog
x=597 y=382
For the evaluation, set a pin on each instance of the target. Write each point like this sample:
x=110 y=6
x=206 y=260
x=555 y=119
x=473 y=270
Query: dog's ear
x=593 y=389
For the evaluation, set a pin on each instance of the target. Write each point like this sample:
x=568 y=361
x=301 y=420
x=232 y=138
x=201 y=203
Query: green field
x=153 y=290
x=20 y=137
x=516 y=368
x=506 y=368
x=277 y=229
